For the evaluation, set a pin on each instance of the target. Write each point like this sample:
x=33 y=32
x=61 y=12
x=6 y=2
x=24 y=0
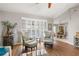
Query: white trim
x=63 y=40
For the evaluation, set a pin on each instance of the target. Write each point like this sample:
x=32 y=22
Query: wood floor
x=61 y=49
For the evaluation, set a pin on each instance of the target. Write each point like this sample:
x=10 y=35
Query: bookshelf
x=76 y=41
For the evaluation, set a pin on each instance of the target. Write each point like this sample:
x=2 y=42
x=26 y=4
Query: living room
x=27 y=29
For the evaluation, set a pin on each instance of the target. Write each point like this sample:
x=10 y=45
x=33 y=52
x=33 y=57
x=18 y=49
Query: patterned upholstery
x=48 y=40
x=29 y=42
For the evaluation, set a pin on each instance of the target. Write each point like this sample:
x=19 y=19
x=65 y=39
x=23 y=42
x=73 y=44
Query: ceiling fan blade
x=49 y=5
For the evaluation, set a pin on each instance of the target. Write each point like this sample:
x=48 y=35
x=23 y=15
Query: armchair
x=48 y=39
x=29 y=42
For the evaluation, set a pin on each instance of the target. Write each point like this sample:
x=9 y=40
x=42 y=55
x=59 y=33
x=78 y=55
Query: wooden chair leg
x=26 y=48
x=36 y=50
x=31 y=51
x=51 y=45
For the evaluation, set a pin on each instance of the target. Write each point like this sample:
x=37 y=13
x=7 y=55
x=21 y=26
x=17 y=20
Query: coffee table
x=41 y=52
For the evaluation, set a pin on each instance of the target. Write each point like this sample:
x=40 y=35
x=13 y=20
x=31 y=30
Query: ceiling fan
x=50 y=5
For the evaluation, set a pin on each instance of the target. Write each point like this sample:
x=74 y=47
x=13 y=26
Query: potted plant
x=8 y=27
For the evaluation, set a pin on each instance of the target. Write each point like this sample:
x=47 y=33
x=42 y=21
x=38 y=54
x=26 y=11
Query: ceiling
x=39 y=9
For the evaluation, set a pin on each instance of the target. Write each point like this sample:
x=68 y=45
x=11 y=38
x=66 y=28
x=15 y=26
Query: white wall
x=72 y=18
x=15 y=17
x=4 y=16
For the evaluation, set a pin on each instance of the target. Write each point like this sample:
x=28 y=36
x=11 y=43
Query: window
x=36 y=27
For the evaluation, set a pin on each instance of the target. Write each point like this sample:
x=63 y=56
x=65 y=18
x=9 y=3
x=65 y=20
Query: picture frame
x=50 y=27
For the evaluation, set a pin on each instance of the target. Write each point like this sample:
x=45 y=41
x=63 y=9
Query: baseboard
x=65 y=41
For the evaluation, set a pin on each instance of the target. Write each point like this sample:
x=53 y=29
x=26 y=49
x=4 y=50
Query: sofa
x=5 y=51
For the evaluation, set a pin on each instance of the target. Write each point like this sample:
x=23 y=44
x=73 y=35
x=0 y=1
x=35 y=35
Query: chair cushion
x=31 y=43
x=28 y=41
x=25 y=36
x=47 y=35
x=48 y=40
